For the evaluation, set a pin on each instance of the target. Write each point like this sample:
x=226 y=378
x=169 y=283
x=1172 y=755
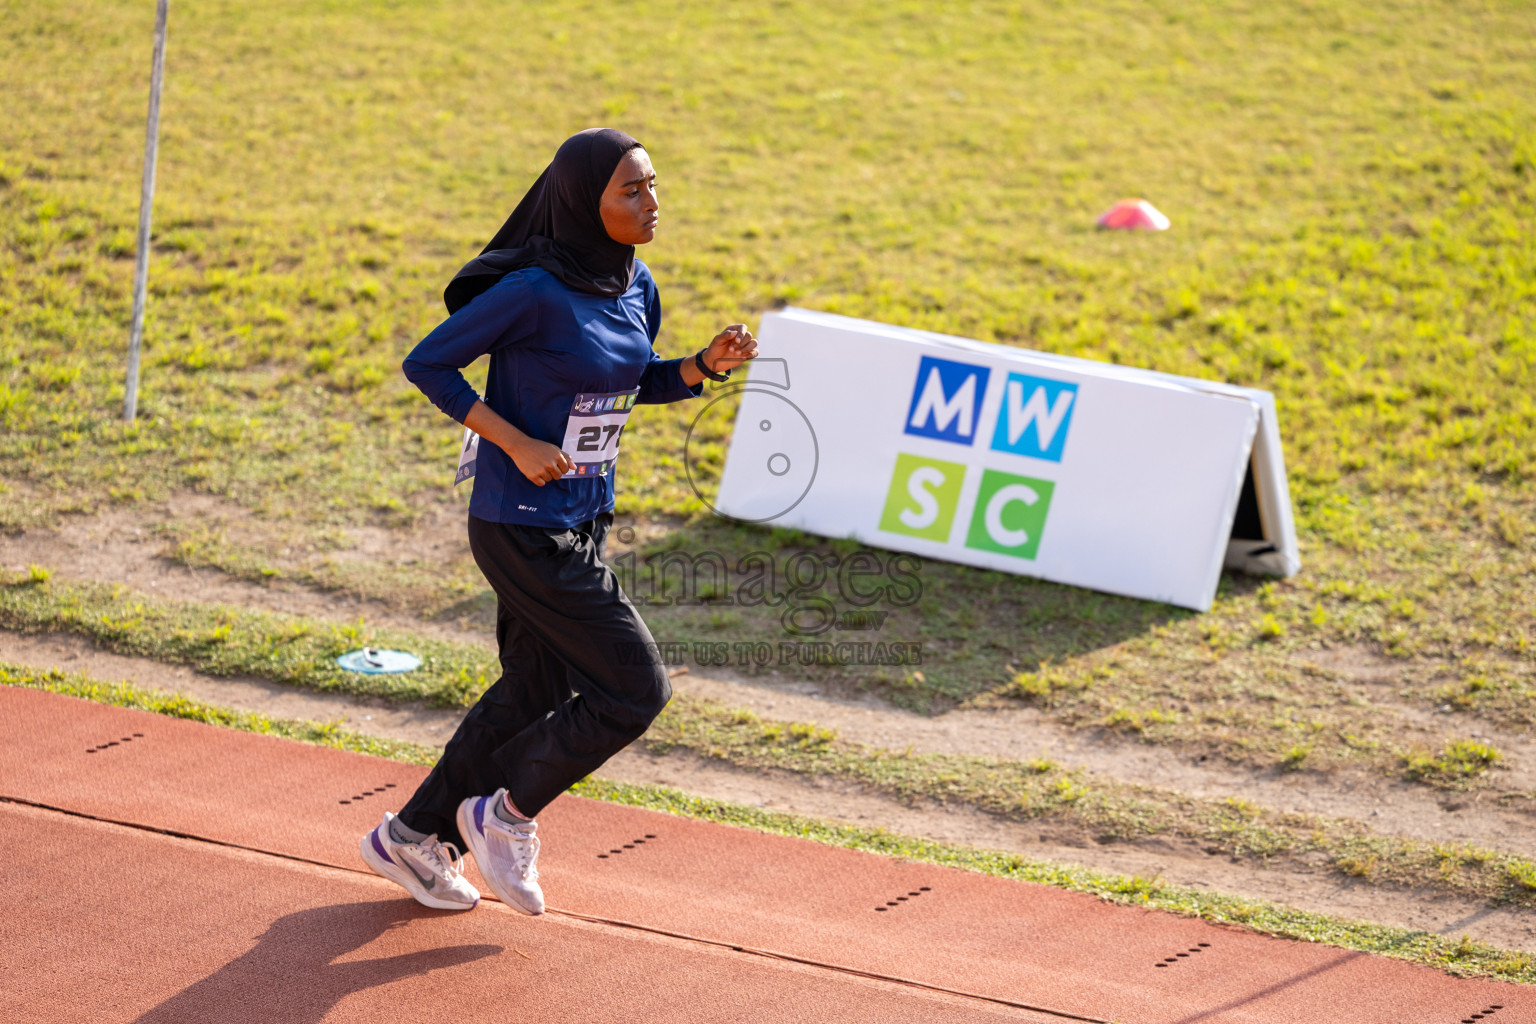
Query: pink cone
x=1134 y=215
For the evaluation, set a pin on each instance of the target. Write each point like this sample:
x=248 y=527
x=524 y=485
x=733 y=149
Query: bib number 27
x=593 y=430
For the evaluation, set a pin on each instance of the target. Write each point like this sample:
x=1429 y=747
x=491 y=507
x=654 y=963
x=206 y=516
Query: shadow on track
x=290 y=976
x=1218 y=1012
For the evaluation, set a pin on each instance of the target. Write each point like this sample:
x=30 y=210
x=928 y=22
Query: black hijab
x=557 y=226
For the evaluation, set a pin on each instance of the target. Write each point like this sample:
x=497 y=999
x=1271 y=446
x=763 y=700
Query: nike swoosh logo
x=427 y=883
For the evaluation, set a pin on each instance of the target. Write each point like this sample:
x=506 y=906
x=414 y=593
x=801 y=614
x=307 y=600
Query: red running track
x=680 y=901
x=129 y=925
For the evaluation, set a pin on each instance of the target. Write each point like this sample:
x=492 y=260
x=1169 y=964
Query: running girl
x=568 y=316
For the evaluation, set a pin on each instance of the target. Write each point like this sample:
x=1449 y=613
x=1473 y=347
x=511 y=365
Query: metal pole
x=146 y=204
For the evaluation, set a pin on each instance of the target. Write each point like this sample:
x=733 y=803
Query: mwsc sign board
x=1122 y=480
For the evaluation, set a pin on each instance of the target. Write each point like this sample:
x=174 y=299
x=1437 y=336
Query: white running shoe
x=507 y=855
x=430 y=871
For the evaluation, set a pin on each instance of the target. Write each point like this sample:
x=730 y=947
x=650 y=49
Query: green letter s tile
x=923 y=497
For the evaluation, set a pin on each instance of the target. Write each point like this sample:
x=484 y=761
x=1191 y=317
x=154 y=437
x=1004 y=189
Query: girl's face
x=629 y=202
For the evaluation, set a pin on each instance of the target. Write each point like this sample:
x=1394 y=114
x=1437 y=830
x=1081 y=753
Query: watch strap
x=698 y=359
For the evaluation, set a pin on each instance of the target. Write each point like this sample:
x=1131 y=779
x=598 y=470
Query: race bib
x=592 y=432
x=469 y=450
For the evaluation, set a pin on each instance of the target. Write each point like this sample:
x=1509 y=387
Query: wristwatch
x=698 y=359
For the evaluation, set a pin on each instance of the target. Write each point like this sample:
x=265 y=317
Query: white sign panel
x=1070 y=470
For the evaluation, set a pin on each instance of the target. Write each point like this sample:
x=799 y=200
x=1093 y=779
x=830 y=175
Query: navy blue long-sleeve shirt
x=559 y=359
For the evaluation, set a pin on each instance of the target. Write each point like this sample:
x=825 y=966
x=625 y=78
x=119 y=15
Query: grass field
x=1353 y=191
x=1352 y=188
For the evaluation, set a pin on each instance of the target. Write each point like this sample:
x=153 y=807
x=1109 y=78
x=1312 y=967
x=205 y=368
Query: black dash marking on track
x=114 y=743
x=1169 y=961
x=639 y=841
x=365 y=794
x=899 y=900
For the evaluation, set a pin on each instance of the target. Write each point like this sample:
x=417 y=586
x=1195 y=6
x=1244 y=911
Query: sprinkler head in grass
x=376 y=661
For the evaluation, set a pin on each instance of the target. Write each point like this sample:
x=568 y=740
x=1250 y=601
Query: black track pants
x=580 y=677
